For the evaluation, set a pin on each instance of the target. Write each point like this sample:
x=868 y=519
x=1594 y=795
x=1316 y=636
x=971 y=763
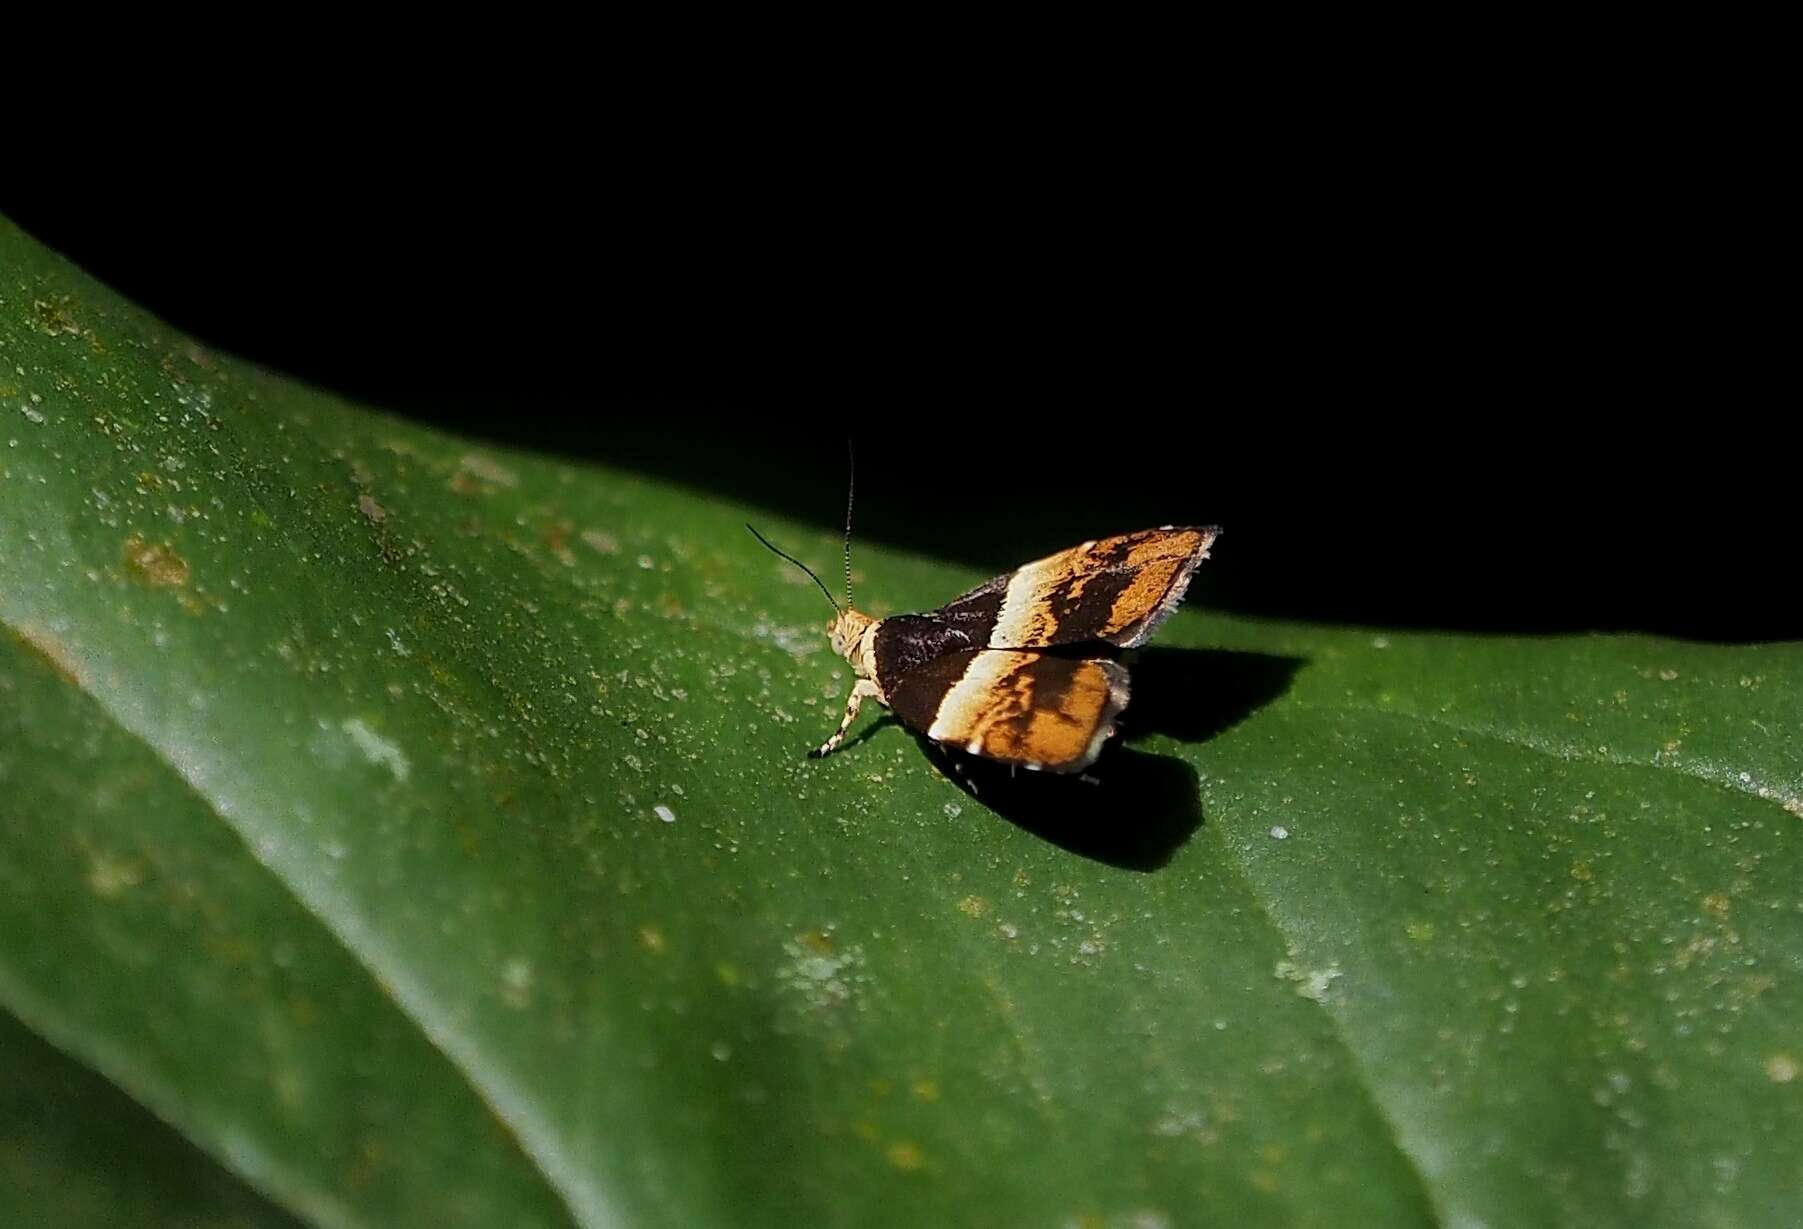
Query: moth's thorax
x=846 y=630
x=853 y=637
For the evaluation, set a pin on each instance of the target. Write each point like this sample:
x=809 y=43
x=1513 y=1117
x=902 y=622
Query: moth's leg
x=865 y=690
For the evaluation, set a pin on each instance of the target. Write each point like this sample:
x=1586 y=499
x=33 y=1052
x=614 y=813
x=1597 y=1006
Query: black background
x=1418 y=387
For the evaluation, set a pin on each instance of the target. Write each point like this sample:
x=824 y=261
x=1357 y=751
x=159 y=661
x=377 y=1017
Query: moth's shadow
x=1134 y=810
x=1194 y=694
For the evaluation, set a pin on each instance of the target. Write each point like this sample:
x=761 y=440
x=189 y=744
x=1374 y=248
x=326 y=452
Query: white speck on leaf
x=108 y=876
x=825 y=978
x=1177 y=1122
x=378 y=750
x=479 y=466
x=797 y=642
x=516 y=982
x=1310 y=983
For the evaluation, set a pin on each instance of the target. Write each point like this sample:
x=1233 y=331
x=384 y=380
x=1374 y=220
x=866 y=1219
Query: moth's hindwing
x=1031 y=709
x=1115 y=590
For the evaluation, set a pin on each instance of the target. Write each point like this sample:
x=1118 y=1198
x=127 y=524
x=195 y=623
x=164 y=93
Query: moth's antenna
x=798 y=563
x=851 y=488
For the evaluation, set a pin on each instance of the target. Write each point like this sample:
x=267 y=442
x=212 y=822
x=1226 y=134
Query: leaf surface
x=423 y=831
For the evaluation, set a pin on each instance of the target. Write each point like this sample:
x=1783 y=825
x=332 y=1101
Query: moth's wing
x=963 y=674
x=1033 y=709
x=1115 y=590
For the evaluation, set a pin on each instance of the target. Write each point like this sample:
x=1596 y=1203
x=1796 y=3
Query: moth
x=1022 y=669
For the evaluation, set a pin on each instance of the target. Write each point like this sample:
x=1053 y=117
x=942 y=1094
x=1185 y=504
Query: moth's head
x=846 y=630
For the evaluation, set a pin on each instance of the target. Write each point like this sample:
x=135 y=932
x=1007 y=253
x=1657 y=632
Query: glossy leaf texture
x=398 y=830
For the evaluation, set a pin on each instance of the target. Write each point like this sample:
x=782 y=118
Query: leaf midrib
x=563 y=1177
x=1740 y=782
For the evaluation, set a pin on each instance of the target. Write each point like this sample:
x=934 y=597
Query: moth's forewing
x=1033 y=709
x=1113 y=590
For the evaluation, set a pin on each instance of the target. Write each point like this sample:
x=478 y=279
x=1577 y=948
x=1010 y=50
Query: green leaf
x=423 y=831
x=75 y=1152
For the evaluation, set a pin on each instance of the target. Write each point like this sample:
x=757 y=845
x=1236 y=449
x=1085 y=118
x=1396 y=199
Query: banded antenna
x=851 y=488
